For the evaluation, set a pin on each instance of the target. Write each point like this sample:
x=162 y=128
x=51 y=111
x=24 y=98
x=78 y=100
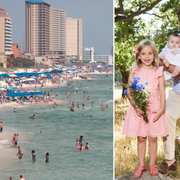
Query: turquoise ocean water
x=60 y=128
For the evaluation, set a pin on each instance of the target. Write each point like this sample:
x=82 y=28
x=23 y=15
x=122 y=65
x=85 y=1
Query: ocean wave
x=21 y=106
x=76 y=88
x=5 y=141
x=109 y=101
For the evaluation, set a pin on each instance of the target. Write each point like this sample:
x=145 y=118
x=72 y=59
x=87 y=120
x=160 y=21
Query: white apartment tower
x=57 y=30
x=74 y=35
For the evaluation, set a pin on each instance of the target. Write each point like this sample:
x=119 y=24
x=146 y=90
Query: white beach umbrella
x=12 y=75
x=30 y=79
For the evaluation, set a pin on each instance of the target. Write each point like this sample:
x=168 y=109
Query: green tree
x=131 y=27
x=23 y=62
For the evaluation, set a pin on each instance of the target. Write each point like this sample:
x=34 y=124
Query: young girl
x=135 y=126
x=33 y=155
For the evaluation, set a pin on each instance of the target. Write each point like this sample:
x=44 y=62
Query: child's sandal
x=153 y=170
x=139 y=171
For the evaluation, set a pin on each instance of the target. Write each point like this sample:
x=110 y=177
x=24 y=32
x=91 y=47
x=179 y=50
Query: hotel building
x=74 y=37
x=5 y=37
x=37 y=27
x=5 y=32
x=57 y=31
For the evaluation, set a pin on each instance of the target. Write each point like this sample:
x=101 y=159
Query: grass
x=126 y=159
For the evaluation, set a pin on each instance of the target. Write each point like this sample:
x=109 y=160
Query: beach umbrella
x=12 y=75
x=30 y=79
x=33 y=77
x=23 y=78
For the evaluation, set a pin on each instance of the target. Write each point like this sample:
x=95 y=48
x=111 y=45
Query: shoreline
x=48 y=85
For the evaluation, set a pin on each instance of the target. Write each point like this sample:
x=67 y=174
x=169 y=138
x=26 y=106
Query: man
x=172 y=114
x=20 y=153
x=1 y=127
x=21 y=177
x=10 y=178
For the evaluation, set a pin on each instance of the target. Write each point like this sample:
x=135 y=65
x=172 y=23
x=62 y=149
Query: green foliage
x=23 y=62
x=131 y=27
x=118 y=77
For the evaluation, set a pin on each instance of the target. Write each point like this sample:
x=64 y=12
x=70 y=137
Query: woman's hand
x=158 y=114
x=139 y=112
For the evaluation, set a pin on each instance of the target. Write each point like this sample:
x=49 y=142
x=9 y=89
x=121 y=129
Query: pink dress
x=134 y=125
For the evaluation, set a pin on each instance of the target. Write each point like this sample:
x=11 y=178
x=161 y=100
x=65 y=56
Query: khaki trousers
x=172 y=112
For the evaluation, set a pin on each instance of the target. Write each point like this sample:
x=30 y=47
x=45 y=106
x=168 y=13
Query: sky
x=97 y=16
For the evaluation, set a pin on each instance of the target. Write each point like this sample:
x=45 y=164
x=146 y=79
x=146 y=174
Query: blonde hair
x=141 y=45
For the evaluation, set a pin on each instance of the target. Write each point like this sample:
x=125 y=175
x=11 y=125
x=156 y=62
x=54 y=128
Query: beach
x=60 y=127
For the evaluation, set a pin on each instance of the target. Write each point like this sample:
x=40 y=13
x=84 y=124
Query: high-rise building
x=57 y=30
x=5 y=32
x=74 y=37
x=37 y=27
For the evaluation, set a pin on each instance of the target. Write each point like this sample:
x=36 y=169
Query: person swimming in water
x=80 y=140
x=102 y=106
x=47 y=157
x=73 y=104
x=78 y=105
x=83 y=104
x=15 y=110
x=54 y=106
x=81 y=148
x=92 y=104
x=77 y=140
x=87 y=146
x=71 y=109
x=16 y=139
x=20 y=153
x=32 y=117
x=33 y=155
x=86 y=115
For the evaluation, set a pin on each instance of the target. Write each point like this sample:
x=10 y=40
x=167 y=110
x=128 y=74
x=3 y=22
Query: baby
x=172 y=55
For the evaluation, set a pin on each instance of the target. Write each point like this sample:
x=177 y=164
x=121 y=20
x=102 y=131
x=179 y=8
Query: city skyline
x=97 y=21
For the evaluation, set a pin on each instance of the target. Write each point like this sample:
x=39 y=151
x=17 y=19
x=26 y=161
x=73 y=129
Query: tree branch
x=158 y=15
x=121 y=9
x=120 y=18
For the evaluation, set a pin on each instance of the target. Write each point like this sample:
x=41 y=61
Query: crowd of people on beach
x=35 y=99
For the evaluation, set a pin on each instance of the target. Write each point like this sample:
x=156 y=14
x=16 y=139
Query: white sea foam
x=21 y=106
x=5 y=141
x=108 y=101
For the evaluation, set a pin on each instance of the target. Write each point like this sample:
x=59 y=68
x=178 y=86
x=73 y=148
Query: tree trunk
x=125 y=76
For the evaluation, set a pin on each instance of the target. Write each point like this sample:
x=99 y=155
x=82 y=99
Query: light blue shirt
x=163 y=50
x=175 y=81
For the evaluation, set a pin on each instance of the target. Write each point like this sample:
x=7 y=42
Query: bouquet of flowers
x=139 y=93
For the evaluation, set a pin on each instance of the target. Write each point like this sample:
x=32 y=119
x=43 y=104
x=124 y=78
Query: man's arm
x=170 y=69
